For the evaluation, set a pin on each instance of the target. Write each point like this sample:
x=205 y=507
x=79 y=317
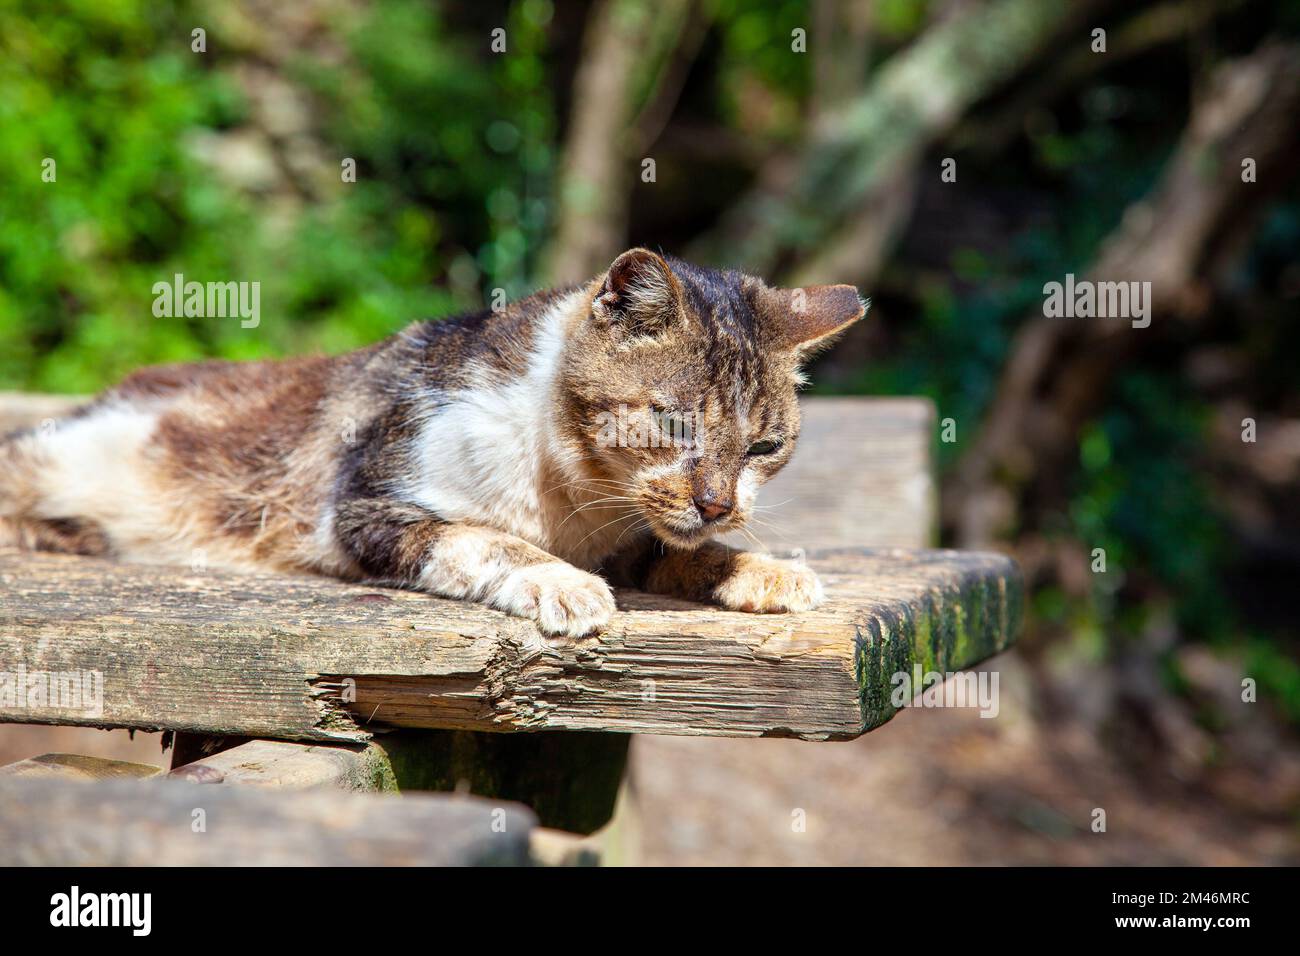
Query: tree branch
x=623 y=39
x=1180 y=239
x=914 y=99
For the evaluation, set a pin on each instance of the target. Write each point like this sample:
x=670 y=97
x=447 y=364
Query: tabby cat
x=518 y=457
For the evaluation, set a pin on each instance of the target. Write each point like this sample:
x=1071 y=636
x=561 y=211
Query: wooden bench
x=307 y=683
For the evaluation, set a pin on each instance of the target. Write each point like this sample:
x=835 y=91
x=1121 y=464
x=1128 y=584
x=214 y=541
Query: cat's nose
x=712 y=507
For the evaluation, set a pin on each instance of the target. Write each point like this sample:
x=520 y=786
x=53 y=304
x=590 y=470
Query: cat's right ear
x=639 y=294
x=808 y=319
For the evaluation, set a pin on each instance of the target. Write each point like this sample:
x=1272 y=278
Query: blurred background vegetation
x=479 y=170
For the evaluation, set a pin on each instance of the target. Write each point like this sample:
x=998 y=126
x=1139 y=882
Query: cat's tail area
x=25 y=462
x=19 y=454
x=18 y=492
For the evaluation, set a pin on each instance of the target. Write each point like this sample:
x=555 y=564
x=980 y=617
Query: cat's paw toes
x=764 y=585
x=564 y=601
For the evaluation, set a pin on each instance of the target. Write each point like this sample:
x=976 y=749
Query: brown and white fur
x=468 y=457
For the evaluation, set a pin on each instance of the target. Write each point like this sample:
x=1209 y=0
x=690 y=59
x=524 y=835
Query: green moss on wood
x=570 y=779
x=949 y=629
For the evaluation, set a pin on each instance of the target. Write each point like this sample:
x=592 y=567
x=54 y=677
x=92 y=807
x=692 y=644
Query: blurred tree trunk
x=841 y=30
x=1180 y=238
x=630 y=75
x=857 y=159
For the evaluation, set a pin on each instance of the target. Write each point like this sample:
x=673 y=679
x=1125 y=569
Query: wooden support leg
x=570 y=779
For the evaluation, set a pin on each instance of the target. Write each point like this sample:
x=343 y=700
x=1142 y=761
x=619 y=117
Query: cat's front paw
x=763 y=585
x=564 y=601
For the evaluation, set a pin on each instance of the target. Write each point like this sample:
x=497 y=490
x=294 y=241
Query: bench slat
x=282 y=765
x=52 y=822
x=313 y=659
x=77 y=767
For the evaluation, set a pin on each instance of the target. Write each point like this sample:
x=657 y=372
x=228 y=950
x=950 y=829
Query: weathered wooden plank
x=310 y=658
x=280 y=764
x=45 y=822
x=22 y=410
x=569 y=779
x=75 y=766
x=285 y=765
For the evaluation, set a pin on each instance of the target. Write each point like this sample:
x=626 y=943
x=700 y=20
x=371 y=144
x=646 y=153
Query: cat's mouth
x=690 y=535
x=669 y=509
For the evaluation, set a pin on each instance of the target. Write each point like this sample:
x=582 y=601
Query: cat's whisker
x=633 y=529
x=580 y=491
x=772 y=507
x=776 y=529
x=604 y=500
x=623 y=485
x=601 y=501
x=576 y=493
x=766 y=521
x=631 y=514
x=600 y=504
x=587 y=478
x=751 y=536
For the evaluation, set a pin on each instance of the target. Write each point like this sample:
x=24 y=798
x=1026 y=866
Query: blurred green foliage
x=454 y=149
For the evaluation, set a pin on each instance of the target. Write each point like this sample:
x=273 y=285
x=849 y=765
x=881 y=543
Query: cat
x=522 y=457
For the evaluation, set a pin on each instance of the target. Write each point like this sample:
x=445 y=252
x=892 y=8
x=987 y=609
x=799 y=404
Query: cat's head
x=679 y=389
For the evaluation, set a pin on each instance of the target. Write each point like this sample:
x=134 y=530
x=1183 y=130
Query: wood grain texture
x=77 y=767
x=314 y=659
x=283 y=765
x=22 y=410
x=46 y=822
x=287 y=765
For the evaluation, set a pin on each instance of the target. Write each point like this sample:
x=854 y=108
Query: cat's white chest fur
x=489 y=454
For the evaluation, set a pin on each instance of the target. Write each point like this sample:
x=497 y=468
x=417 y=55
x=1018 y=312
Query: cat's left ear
x=639 y=294
x=810 y=318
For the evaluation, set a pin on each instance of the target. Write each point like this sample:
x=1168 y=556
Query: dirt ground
x=19 y=741
x=941 y=787
x=932 y=787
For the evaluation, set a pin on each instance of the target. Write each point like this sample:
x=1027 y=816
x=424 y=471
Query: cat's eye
x=765 y=447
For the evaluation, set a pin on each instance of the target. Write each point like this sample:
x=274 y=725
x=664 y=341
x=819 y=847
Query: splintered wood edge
x=314 y=659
